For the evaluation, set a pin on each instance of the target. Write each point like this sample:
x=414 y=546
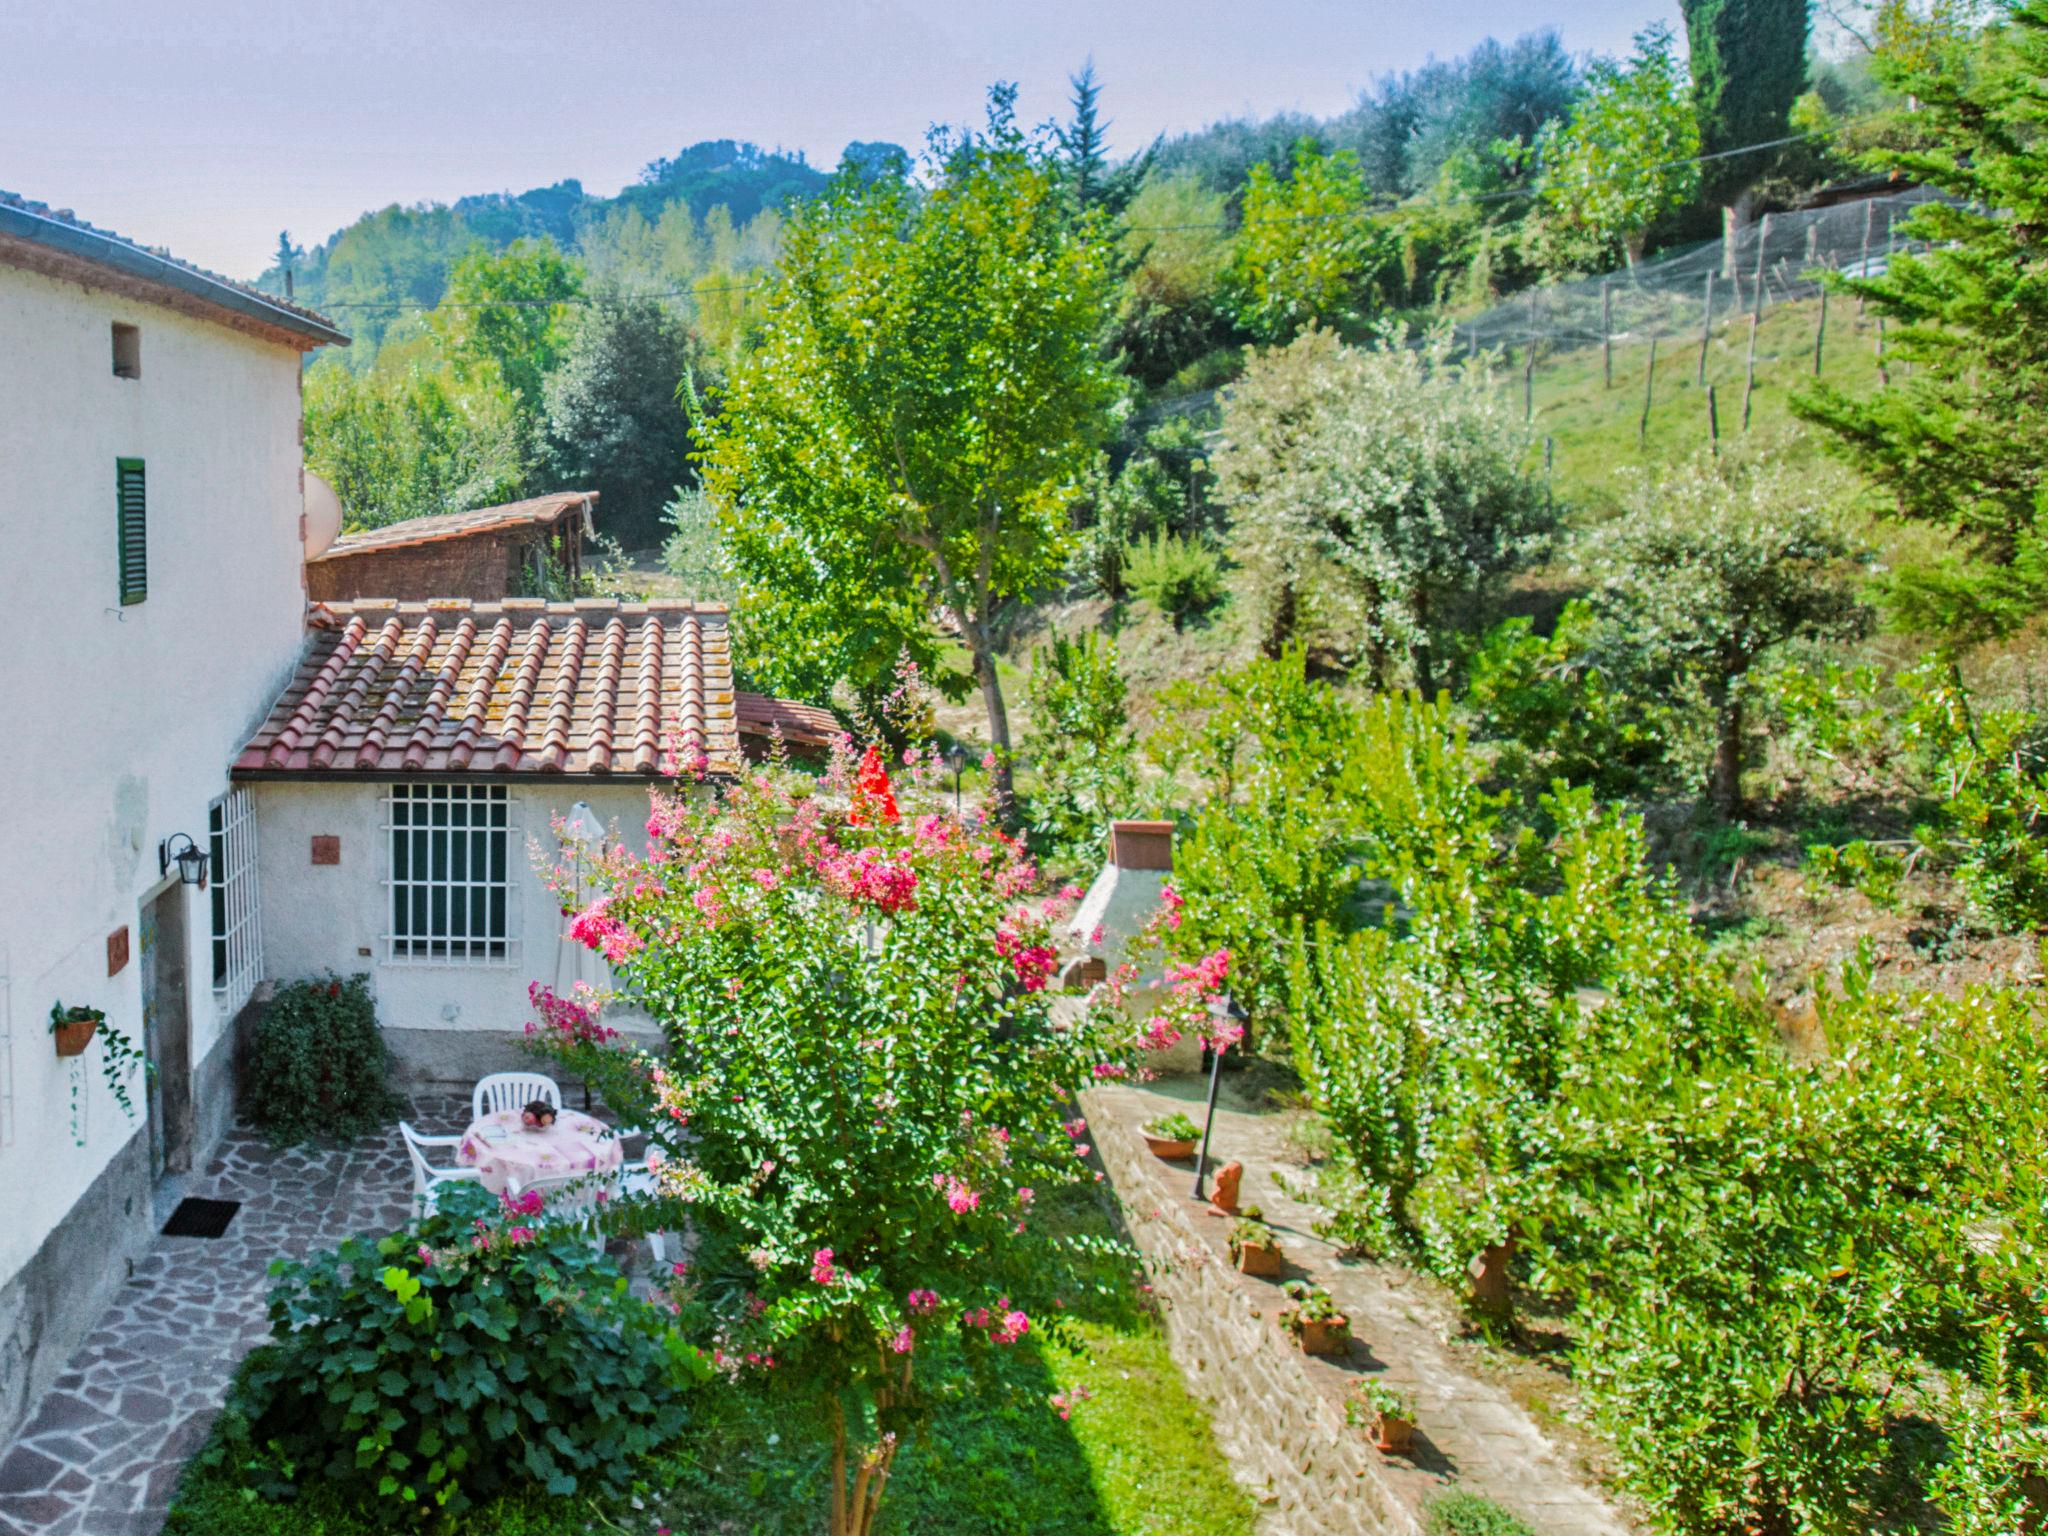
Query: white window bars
x=237 y=930
x=449 y=872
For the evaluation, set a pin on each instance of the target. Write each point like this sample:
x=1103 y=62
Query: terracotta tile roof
x=589 y=688
x=60 y=229
x=801 y=725
x=539 y=512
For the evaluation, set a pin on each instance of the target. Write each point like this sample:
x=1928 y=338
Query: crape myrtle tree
x=864 y=1090
x=926 y=396
x=1957 y=440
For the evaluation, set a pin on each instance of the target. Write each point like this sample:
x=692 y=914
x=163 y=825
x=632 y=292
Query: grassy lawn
x=1135 y=1459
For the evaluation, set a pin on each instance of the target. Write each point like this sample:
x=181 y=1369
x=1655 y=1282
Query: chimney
x=1141 y=845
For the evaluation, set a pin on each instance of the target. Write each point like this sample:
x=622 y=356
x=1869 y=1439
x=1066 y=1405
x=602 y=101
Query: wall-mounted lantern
x=190 y=859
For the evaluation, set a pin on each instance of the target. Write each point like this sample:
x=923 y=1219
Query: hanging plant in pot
x=1172 y=1136
x=1313 y=1318
x=74 y=1028
x=1385 y=1413
x=1254 y=1248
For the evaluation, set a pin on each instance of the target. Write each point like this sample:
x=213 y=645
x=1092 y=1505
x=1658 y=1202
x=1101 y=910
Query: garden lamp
x=1224 y=1010
x=959 y=760
x=190 y=859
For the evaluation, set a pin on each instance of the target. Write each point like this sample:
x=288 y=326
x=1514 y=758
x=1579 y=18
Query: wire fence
x=1777 y=260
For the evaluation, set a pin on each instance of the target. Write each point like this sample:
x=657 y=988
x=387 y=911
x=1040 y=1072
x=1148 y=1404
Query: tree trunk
x=998 y=728
x=1280 y=622
x=1724 y=784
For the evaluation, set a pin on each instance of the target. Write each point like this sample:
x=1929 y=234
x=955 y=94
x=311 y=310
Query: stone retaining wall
x=1286 y=1438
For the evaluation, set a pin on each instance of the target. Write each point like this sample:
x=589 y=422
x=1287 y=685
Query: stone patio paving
x=103 y=1452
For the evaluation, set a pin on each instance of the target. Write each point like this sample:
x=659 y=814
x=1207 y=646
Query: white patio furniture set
x=576 y=1164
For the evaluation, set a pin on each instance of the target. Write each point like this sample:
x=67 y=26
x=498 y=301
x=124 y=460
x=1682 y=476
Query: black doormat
x=201 y=1218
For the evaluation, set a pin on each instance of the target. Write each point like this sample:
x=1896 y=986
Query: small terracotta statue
x=1223 y=1198
x=538 y=1115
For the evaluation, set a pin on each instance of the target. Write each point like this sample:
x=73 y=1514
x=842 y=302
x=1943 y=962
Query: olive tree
x=1708 y=571
x=1379 y=495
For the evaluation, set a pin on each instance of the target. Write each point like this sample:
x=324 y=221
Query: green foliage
x=437 y=1367
x=1307 y=1303
x=1162 y=487
x=1952 y=440
x=1174 y=1127
x=1308 y=252
x=1379 y=496
x=1710 y=570
x=1622 y=160
x=614 y=422
x=863 y=1084
x=318 y=1065
x=1874 y=871
x=1080 y=746
x=1552 y=714
x=1459 y=1513
x=1748 y=63
x=409 y=440
x=1271 y=764
x=1181 y=577
x=927 y=395
x=695 y=553
x=498 y=319
x=1177 y=239
x=119 y=1056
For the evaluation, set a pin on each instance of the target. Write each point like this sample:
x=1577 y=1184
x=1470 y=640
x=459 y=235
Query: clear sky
x=208 y=125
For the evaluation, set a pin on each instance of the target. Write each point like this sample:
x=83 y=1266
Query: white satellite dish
x=323 y=516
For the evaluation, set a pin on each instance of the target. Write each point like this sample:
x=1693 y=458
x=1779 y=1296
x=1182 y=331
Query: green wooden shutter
x=132 y=532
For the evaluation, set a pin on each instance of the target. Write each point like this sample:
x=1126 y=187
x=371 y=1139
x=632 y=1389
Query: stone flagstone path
x=102 y=1454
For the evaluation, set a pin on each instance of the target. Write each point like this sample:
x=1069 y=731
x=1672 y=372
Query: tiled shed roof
x=538 y=511
x=61 y=231
x=801 y=725
x=585 y=689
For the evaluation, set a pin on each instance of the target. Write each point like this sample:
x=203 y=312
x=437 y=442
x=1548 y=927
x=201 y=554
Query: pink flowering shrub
x=863 y=1091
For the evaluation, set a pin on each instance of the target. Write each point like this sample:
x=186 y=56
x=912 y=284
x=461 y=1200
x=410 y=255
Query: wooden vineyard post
x=1749 y=376
x=1649 y=392
x=1607 y=333
x=1884 y=373
x=1706 y=328
x=1863 y=263
x=1529 y=383
x=1713 y=422
x=1820 y=331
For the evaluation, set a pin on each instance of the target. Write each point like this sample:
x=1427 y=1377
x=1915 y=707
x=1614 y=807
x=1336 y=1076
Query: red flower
x=871 y=788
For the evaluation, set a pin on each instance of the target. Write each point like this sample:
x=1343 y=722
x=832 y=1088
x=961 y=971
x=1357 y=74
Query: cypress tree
x=1748 y=62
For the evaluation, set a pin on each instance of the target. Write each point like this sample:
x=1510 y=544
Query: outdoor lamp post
x=190 y=859
x=1224 y=1010
x=958 y=756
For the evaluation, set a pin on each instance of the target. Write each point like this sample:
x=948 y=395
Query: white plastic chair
x=426 y=1176
x=512 y=1090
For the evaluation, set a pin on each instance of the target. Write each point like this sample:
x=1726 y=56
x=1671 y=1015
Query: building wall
x=481 y=566
x=121 y=722
x=447 y=1023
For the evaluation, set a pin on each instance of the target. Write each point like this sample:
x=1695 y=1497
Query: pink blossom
x=978 y=1318
x=1095 y=937
x=1081 y=1149
x=988 y=761
x=821 y=1266
x=426 y=1256
x=1014 y=1326
x=922 y=1302
x=903 y=1340
x=1076 y=1126
x=1025 y=1195
x=520 y=1235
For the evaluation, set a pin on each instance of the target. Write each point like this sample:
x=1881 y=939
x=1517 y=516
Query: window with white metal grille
x=237 y=933
x=450 y=873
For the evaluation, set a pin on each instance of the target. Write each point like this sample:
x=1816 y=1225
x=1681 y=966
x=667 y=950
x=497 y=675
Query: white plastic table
x=505 y=1151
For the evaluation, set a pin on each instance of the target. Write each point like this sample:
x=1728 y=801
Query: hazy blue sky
x=208 y=125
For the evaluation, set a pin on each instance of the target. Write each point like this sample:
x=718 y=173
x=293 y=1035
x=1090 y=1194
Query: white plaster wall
x=120 y=724
x=334 y=917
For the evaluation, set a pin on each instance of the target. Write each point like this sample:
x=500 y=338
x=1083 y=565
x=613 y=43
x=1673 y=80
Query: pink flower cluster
x=959 y=1198
x=921 y=1302
x=529 y=1203
x=822 y=1271
x=1064 y=1403
x=575 y=1022
x=872 y=878
x=1033 y=960
x=595 y=928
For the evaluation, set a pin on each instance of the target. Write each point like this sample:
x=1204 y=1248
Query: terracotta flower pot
x=1265 y=1262
x=1169 y=1150
x=74 y=1035
x=1325 y=1338
x=1393 y=1435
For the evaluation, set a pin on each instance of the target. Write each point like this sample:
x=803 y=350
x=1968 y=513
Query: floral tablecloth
x=503 y=1150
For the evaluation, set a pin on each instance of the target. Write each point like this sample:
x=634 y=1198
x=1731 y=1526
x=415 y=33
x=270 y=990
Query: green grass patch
x=1135 y=1457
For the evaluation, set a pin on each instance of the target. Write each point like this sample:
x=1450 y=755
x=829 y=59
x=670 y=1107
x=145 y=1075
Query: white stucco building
x=150 y=608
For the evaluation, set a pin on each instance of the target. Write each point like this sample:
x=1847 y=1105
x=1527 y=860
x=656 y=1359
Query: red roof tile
x=590 y=688
x=539 y=511
x=801 y=725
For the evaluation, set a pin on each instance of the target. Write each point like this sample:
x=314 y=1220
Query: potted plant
x=1384 y=1412
x=1172 y=1136
x=74 y=1027
x=1313 y=1318
x=1253 y=1247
